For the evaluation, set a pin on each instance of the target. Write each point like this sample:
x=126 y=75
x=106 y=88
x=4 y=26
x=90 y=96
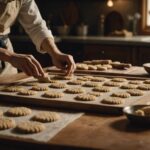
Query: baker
x=27 y=13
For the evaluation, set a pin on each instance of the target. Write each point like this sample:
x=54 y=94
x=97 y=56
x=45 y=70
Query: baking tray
x=69 y=102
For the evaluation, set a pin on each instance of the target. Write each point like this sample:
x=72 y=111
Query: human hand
x=64 y=62
x=27 y=64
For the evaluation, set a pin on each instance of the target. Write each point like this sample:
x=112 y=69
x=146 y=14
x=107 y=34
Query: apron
x=9 y=10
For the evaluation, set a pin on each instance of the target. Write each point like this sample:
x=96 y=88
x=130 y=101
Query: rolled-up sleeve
x=31 y=20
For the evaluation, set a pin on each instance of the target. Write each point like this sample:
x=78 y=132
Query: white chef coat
x=27 y=12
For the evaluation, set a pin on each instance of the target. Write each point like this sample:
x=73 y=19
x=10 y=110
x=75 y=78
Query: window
x=146 y=16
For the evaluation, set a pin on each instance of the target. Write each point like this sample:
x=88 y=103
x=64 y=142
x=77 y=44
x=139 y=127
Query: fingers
x=70 y=65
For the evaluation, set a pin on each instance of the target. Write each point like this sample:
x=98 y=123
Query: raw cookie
x=45 y=79
x=81 y=66
x=144 y=87
x=147 y=81
x=46 y=117
x=30 y=127
x=112 y=84
x=146 y=110
x=39 y=88
x=88 y=77
x=91 y=84
x=102 y=62
x=31 y=83
x=85 y=97
x=92 y=67
x=62 y=77
x=135 y=92
x=18 y=111
x=53 y=94
x=97 y=94
x=112 y=101
x=7 y=123
x=135 y=82
x=75 y=82
x=121 y=94
x=129 y=86
x=98 y=79
x=119 y=80
x=83 y=79
x=101 y=89
x=139 y=112
x=27 y=92
x=74 y=90
x=101 y=68
x=58 y=85
x=107 y=66
x=12 y=89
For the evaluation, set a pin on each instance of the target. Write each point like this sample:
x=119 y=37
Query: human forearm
x=5 y=55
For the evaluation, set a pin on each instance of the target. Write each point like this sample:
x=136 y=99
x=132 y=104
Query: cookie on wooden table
x=101 y=89
x=27 y=92
x=121 y=94
x=112 y=101
x=18 y=111
x=53 y=94
x=29 y=127
x=74 y=90
x=46 y=117
x=91 y=84
x=144 y=87
x=85 y=97
x=135 y=92
x=128 y=86
x=58 y=85
x=7 y=123
x=75 y=82
x=119 y=80
x=39 y=88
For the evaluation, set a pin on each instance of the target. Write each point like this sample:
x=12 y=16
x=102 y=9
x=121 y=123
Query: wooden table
x=91 y=131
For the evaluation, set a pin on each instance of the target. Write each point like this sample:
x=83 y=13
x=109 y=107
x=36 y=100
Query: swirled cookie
x=18 y=111
x=58 y=85
x=91 y=84
x=27 y=92
x=7 y=123
x=101 y=89
x=30 y=127
x=85 y=97
x=53 y=94
x=46 y=117
x=112 y=84
x=144 y=87
x=121 y=94
x=128 y=86
x=39 y=88
x=74 y=90
x=135 y=92
x=75 y=82
x=112 y=101
x=119 y=80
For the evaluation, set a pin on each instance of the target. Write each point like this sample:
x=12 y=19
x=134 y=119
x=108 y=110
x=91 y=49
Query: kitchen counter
x=135 y=40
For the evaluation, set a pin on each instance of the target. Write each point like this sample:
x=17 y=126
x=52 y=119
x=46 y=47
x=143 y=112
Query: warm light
x=110 y=3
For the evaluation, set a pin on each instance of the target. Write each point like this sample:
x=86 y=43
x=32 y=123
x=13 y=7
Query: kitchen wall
x=87 y=11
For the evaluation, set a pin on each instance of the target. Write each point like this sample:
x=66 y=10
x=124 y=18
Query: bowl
x=63 y=30
x=129 y=111
x=147 y=67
